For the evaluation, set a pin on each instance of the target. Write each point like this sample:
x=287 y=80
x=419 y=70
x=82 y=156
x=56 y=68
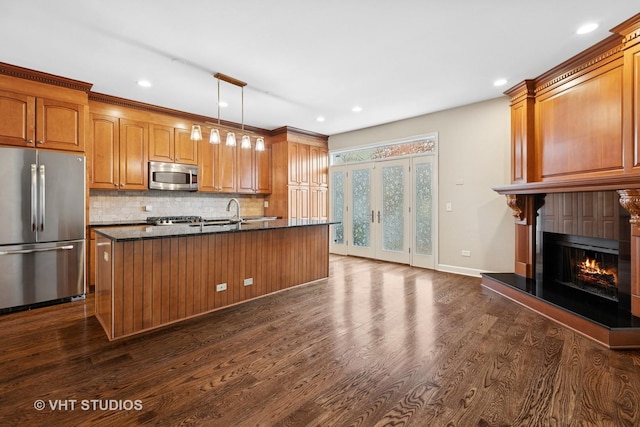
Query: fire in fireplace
x=585 y=263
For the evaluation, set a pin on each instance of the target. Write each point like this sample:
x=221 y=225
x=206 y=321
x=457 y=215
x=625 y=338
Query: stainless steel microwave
x=173 y=176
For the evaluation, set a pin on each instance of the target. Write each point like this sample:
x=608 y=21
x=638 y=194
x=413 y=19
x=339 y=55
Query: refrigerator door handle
x=30 y=251
x=34 y=197
x=42 y=187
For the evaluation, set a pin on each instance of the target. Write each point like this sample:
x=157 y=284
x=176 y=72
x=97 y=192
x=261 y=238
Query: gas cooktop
x=170 y=220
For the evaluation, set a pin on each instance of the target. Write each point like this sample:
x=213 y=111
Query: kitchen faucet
x=237 y=208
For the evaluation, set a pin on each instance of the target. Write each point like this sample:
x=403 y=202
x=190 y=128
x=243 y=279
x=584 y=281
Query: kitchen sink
x=221 y=222
x=260 y=218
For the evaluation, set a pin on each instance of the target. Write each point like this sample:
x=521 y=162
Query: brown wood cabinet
x=254 y=171
x=217 y=167
x=29 y=121
x=167 y=144
x=119 y=153
x=299 y=163
x=300 y=175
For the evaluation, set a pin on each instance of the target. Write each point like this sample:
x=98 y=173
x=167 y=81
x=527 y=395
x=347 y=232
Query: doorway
x=387 y=209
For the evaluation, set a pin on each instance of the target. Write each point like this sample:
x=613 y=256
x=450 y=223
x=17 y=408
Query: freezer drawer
x=37 y=273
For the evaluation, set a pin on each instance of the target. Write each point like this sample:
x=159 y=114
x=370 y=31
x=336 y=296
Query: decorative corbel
x=517 y=204
x=630 y=200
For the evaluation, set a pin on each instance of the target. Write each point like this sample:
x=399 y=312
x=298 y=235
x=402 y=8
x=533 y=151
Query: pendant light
x=260 y=144
x=196 y=133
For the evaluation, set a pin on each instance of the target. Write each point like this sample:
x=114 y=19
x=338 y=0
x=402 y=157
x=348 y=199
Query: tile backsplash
x=106 y=206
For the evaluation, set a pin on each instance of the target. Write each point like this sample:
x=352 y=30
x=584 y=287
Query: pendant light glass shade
x=260 y=144
x=246 y=142
x=196 y=133
x=214 y=138
x=231 y=139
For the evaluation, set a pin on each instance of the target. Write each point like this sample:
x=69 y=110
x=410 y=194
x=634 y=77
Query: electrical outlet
x=148 y=208
x=248 y=282
x=266 y=203
x=465 y=253
x=449 y=207
x=221 y=287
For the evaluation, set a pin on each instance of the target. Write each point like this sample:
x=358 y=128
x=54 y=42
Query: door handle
x=42 y=197
x=30 y=251
x=378 y=217
x=373 y=217
x=34 y=197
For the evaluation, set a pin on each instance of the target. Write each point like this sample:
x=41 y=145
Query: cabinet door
x=319 y=166
x=303 y=164
x=246 y=170
x=206 y=166
x=17 y=126
x=161 y=146
x=299 y=202
x=294 y=176
x=318 y=203
x=186 y=150
x=262 y=174
x=133 y=155
x=105 y=156
x=226 y=165
x=60 y=125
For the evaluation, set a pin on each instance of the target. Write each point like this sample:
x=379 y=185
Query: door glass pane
x=393 y=208
x=423 y=208
x=361 y=196
x=338 y=206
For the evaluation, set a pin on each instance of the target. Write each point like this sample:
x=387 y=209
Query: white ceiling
x=303 y=59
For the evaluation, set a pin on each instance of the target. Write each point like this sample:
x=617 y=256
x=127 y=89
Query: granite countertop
x=142 y=232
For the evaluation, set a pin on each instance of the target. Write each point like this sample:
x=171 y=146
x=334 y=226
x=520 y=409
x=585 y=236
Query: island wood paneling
x=156 y=282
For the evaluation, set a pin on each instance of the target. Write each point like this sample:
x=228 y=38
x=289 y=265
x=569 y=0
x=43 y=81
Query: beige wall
x=474 y=147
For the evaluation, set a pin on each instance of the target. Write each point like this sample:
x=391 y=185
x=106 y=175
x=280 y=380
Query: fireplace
x=583 y=249
x=587 y=264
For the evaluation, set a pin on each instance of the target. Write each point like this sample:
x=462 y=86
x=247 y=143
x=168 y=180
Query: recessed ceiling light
x=587 y=28
x=223 y=104
x=356 y=109
x=500 y=82
x=144 y=83
x=320 y=119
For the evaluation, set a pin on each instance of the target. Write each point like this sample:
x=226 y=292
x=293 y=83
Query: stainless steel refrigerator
x=42 y=227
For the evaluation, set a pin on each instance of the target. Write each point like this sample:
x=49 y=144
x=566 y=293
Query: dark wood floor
x=375 y=344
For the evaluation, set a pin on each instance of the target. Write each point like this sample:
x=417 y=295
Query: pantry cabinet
x=300 y=175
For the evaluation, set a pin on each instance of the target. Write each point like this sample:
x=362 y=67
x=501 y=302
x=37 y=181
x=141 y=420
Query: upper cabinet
x=42 y=110
x=298 y=163
x=319 y=166
x=167 y=144
x=119 y=153
x=254 y=171
x=29 y=121
x=217 y=168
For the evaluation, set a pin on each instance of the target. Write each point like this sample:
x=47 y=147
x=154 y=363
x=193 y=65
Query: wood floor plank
x=375 y=344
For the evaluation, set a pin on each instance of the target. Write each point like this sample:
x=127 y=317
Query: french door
x=386 y=210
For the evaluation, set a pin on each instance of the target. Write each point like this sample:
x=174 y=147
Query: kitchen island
x=152 y=276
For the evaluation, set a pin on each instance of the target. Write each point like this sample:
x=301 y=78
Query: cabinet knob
x=40 y=142
x=30 y=141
